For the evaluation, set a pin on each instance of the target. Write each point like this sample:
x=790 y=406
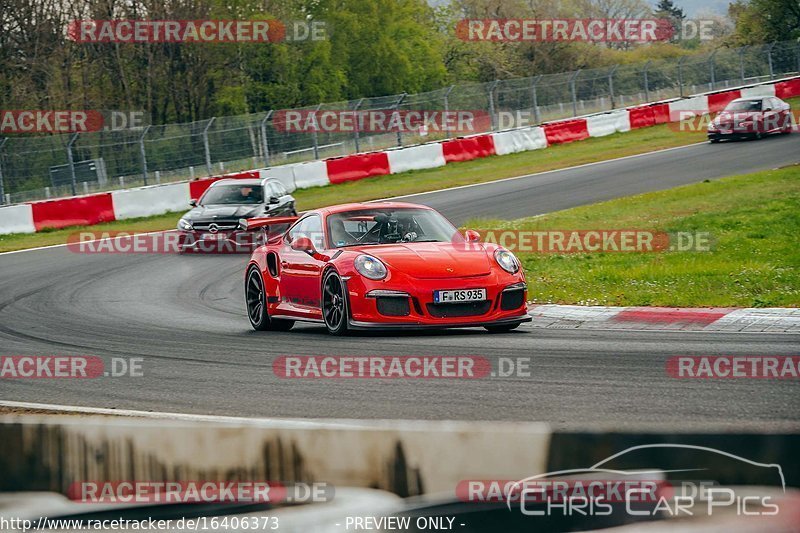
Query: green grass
x=754 y=221
x=452 y=175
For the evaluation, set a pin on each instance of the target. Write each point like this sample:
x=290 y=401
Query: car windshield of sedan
x=386 y=226
x=233 y=194
x=744 y=105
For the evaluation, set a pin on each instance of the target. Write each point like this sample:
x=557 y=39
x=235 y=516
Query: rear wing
x=251 y=224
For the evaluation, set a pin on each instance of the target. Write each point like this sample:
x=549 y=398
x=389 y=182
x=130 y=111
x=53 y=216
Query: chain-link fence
x=39 y=167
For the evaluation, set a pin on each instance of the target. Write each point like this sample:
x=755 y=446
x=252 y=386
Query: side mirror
x=193 y=202
x=472 y=236
x=274 y=200
x=303 y=244
x=768 y=109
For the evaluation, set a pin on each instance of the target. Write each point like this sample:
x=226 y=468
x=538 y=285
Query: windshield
x=386 y=226
x=744 y=105
x=233 y=194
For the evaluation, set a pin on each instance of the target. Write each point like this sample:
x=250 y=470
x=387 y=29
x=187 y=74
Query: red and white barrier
x=16 y=219
x=283 y=173
x=648 y=115
x=566 y=131
x=148 y=201
x=719 y=101
x=468 y=148
x=607 y=123
x=788 y=89
x=758 y=90
x=93 y=209
x=311 y=174
x=521 y=140
x=417 y=157
x=78 y=211
x=357 y=166
x=688 y=107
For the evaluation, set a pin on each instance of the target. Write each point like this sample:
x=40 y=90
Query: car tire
x=505 y=328
x=714 y=141
x=335 y=308
x=256 y=300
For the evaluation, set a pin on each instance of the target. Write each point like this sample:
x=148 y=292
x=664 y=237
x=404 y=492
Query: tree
x=668 y=10
x=759 y=21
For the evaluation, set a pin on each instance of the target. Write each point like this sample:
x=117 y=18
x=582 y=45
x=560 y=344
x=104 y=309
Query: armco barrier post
x=493 y=119
x=611 y=84
x=355 y=129
x=207 y=147
x=399 y=130
x=535 y=99
x=2 y=185
x=769 y=60
x=741 y=63
x=264 y=144
x=797 y=55
x=314 y=132
x=447 y=107
x=142 y=153
x=646 y=81
x=712 y=65
x=574 y=92
x=71 y=162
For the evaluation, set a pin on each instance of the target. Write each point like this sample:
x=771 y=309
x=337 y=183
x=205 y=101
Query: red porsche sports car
x=382 y=265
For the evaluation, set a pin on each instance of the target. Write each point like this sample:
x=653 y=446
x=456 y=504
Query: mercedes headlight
x=185 y=225
x=370 y=267
x=506 y=260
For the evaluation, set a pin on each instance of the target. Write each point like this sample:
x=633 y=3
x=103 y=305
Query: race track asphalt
x=184 y=315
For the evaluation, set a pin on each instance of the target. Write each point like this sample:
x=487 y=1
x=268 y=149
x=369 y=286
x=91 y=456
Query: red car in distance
x=751 y=118
x=382 y=265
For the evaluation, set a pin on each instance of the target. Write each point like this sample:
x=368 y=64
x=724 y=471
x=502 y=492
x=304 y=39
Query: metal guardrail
x=174 y=152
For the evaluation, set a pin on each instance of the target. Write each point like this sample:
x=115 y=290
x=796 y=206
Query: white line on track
x=157 y=415
x=440 y=190
x=87 y=242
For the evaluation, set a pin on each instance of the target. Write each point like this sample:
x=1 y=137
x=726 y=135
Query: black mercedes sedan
x=213 y=223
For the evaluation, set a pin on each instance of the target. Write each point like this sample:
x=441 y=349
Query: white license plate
x=213 y=236
x=458 y=296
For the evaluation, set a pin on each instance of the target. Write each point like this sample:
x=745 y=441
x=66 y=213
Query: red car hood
x=433 y=260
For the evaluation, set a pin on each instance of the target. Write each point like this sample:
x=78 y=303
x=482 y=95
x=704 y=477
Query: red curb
x=671 y=315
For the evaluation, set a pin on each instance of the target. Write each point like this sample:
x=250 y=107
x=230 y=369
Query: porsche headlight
x=370 y=267
x=185 y=225
x=507 y=261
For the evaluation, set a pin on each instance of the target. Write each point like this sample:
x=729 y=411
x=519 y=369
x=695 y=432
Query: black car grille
x=393 y=305
x=512 y=299
x=453 y=310
x=222 y=225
